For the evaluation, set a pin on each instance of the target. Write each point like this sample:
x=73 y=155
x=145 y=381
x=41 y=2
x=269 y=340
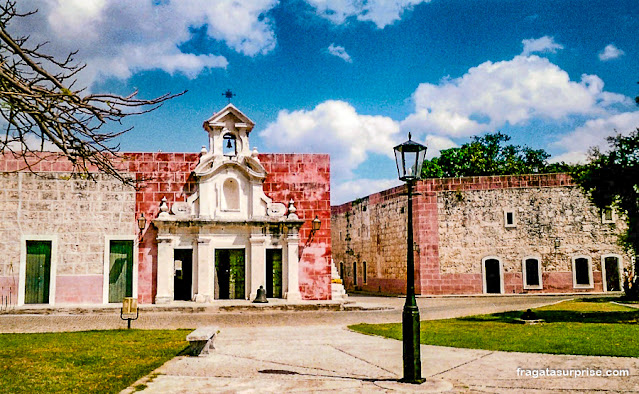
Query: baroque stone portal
x=228 y=238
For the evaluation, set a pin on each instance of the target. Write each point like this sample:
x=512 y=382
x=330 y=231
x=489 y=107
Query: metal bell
x=261 y=296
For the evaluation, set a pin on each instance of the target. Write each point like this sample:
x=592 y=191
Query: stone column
x=205 y=271
x=257 y=264
x=292 y=265
x=166 y=270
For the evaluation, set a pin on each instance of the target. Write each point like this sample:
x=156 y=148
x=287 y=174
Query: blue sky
x=352 y=77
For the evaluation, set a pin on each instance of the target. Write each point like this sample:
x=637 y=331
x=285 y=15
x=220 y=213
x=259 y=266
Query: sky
x=352 y=77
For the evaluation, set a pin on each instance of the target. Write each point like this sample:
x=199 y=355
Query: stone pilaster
x=257 y=264
x=166 y=271
x=205 y=271
x=292 y=286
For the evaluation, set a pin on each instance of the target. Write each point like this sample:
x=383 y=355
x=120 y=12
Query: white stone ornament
x=164 y=208
x=292 y=210
x=181 y=209
x=276 y=209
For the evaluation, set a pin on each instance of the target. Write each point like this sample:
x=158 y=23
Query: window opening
x=364 y=272
x=532 y=273
x=581 y=272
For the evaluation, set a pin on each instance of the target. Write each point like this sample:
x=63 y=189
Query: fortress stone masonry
x=217 y=225
x=493 y=234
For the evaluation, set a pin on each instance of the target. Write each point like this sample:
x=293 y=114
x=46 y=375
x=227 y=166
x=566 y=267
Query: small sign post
x=129 y=308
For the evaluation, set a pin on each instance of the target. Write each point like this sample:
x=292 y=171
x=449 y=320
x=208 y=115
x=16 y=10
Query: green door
x=229 y=273
x=38 y=272
x=120 y=270
x=274 y=273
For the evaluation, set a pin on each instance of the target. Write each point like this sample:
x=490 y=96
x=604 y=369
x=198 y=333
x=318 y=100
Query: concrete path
x=329 y=358
x=274 y=351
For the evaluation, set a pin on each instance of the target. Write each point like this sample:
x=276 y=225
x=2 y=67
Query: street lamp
x=409 y=157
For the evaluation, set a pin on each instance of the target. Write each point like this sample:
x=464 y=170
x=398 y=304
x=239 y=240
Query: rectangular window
x=582 y=275
x=120 y=270
x=532 y=273
x=38 y=272
x=509 y=218
x=355 y=274
x=364 y=272
x=607 y=215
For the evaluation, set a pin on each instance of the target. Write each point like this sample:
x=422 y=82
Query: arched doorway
x=492 y=275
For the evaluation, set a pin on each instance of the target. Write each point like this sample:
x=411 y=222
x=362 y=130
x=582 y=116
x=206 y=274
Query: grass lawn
x=586 y=327
x=89 y=361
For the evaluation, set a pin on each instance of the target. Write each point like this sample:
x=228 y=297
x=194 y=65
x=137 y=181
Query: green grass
x=90 y=361
x=584 y=327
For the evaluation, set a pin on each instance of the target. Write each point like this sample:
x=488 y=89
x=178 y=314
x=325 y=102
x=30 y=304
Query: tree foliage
x=612 y=180
x=42 y=109
x=489 y=155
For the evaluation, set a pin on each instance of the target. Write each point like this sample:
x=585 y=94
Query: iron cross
x=228 y=94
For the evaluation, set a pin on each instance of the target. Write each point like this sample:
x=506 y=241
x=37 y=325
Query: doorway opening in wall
x=274 y=273
x=38 y=272
x=492 y=276
x=613 y=279
x=120 y=270
x=183 y=279
x=229 y=274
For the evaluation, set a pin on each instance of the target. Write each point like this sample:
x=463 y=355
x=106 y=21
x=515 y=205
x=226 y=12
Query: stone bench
x=201 y=341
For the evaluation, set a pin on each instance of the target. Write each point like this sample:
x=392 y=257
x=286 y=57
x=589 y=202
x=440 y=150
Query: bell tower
x=229 y=132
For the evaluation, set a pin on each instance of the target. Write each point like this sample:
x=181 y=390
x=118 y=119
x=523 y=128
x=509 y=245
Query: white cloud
x=436 y=144
x=610 y=52
x=511 y=92
x=340 y=52
x=381 y=12
x=594 y=133
x=350 y=190
x=544 y=44
x=118 y=39
x=333 y=127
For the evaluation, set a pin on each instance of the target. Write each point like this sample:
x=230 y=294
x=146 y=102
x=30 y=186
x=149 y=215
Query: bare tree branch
x=40 y=107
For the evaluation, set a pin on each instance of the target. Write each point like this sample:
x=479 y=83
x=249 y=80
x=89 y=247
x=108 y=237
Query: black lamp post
x=409 y=157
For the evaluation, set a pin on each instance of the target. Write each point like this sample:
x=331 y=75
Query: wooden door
x=38 y=272
x=274 y=273
x=120 y=270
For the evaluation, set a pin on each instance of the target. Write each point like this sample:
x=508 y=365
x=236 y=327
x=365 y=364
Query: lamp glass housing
x=316 y=224
x=409 y=157
x=142 y=222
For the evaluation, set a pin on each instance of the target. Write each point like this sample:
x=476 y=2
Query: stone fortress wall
x=80 y=214
x=459 y=222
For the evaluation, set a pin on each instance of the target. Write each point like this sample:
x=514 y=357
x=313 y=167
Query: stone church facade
x=219 y=224
x=481 y=235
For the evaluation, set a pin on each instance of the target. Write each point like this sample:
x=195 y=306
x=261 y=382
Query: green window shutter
x=120 y=270
x=38 y=272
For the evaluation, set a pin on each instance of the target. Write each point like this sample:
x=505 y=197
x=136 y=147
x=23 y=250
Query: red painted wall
x=305 y=178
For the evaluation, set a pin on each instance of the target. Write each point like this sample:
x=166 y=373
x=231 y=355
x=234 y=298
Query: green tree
x=612 y=180
x=489 y=155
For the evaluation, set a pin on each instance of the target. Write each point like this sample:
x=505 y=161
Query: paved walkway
x=330 y=358
x=313 y=351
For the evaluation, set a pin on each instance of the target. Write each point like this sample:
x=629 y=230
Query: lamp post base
x=411 y=342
